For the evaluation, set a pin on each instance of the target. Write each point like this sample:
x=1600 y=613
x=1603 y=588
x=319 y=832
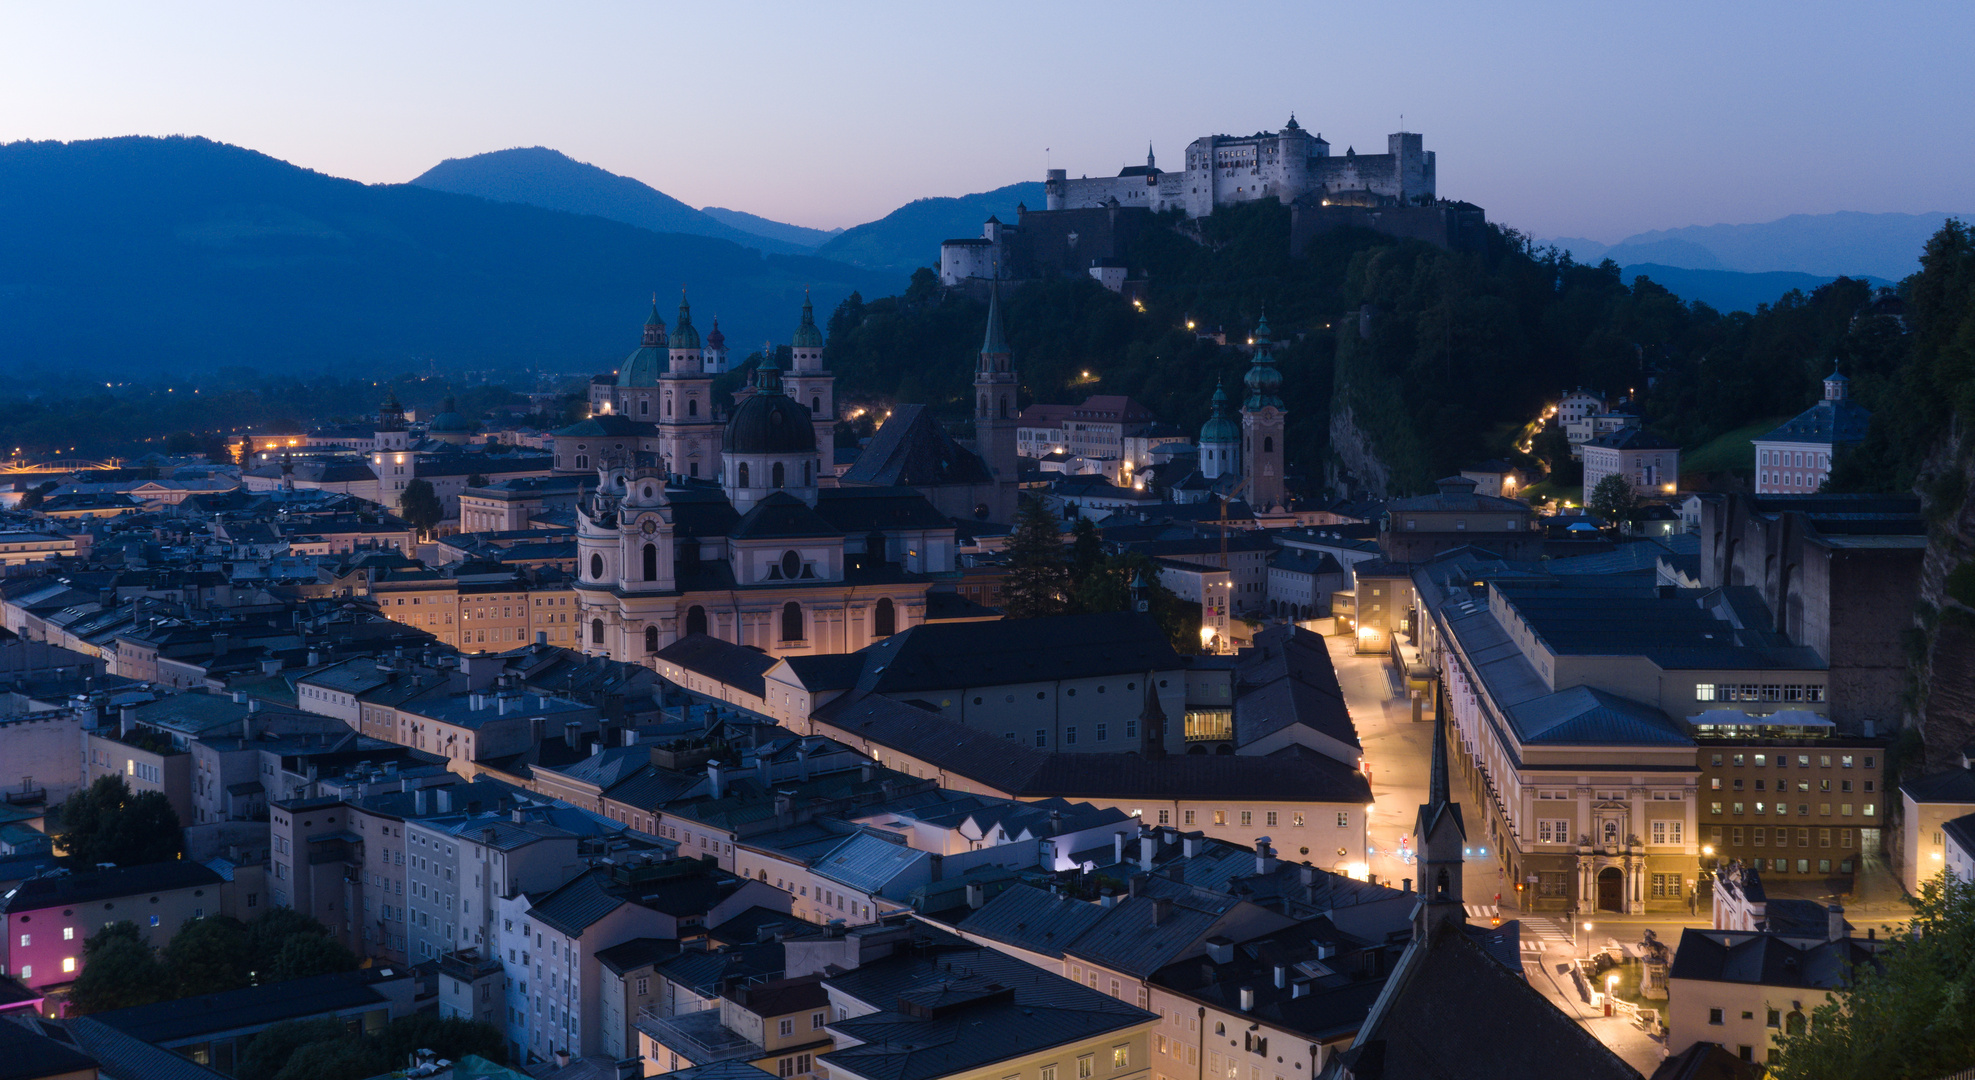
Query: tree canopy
x=323 y=1049
x=421 y=507
x=119 y=970
x=1038 y=578
x=1912 y=1015
x=1613 y=499
x=106 y=823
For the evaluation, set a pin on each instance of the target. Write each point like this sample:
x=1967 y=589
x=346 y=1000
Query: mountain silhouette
x=909 y=237
x=151 y=255
x=1825 y=245
x=550 y=179
x=754 y=224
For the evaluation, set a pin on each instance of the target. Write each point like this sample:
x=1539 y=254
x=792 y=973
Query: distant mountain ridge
x=1847 y=242
x=757 y=225
x=552 y=180
x=1731 y=290
x=909 y=237
x=148 y=255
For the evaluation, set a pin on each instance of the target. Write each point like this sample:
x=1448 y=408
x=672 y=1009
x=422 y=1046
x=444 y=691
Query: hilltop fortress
x=1287 y=165
x=1089 y=223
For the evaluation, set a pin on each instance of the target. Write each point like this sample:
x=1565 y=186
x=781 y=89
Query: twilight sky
x=1567 y=118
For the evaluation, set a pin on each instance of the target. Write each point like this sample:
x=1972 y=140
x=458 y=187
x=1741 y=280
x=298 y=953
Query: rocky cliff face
x=1942 y=645
x=1354 y=464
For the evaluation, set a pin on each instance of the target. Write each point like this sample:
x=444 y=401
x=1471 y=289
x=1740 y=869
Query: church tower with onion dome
x=688 y=431
x=1262 y=420
x=809 y=383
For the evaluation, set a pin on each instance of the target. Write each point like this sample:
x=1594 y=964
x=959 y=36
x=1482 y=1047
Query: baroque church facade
x=731 y=526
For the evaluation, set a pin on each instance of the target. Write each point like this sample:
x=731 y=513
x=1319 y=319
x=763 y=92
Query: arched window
x=983 y=409
x=696 y=620
x=741 y=473
x=668 y=405
x=815 y=405
x=792 y=622
x=884 y=620
x=651 y=639
x=791 y=565
x=644 y=406
x=692 y=406
x=1268 y=444
x=651 y=562
x=776 y=475
x=596 y=568
x=805 y=474
x=596 y=631
x=1004 y=406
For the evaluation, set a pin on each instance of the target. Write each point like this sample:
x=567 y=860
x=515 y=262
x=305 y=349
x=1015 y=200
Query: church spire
x=1148 y=157
x=996 y=343
x=1440 y=836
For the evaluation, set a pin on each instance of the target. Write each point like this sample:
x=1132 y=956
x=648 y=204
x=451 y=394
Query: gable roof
x=1453 y=1010
x=911 y=450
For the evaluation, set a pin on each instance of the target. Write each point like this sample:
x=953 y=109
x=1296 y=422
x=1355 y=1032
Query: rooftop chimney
x=572 y=733
x=1108 y=899
x=1148 y=848
x=1191 y=844
x=1247 y=999
x=1282 y=975
x=1265 y=857
x=1835 y=918
x=1117 y=847
x=714 y=778
x=1161 y=909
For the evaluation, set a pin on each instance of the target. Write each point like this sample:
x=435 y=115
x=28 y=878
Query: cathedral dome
x=769 y=421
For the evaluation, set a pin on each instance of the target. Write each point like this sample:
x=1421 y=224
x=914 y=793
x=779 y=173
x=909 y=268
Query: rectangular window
x=1220 y=817
x=786 y=1028
x=1714 y=1016
x=1121 y=1057
x=1070 y=736
x=1296 y=821
x=1086 y=1066
x=1270 y=819
x=1186 y=817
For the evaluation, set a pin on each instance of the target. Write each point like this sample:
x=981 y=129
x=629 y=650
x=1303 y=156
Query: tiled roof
x=1842 y=421
x=781 y=515
x=867 y=863
x=1025 y=917
x=249 y=1006
x=911 y=450
x=1759 y=959
x=735 y=665
x=1952 y=786
x=957 y=655
x=953 y=1008
x=1456 y=1011
x=37 y=893
x=572 y=907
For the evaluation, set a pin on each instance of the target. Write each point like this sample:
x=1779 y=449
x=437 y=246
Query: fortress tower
x=1262 y=419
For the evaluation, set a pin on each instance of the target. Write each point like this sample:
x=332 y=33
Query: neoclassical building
x=699 y=526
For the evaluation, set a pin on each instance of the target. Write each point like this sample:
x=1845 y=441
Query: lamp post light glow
x=1611 y=983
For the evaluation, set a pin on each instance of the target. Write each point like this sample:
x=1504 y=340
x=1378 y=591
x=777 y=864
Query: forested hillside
x=1432 y=359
